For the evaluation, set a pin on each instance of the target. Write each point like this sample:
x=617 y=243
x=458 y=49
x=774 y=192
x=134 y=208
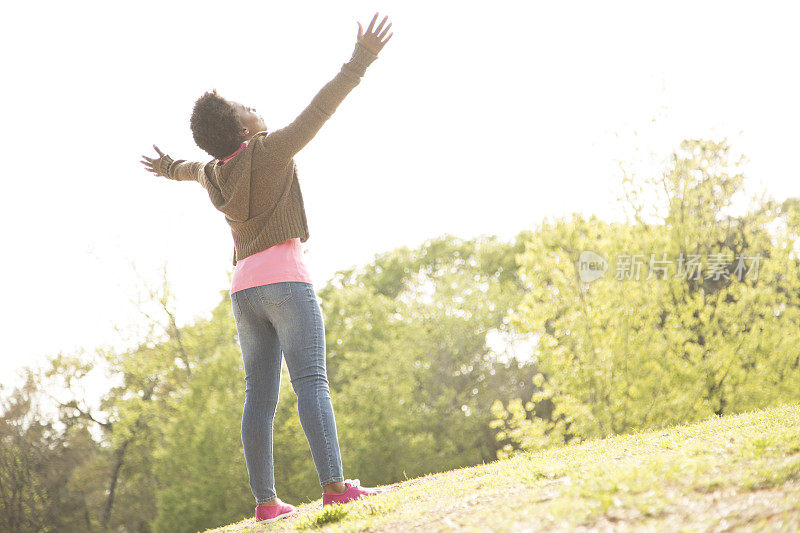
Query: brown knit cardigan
x=257 y=189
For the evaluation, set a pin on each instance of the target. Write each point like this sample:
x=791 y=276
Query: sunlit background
x=477 y=118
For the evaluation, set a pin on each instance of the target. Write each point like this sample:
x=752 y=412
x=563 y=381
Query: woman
x=253 y=181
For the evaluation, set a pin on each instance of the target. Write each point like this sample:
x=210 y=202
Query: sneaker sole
x=284 y=515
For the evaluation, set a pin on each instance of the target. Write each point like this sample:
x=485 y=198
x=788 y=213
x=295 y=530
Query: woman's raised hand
x=157 y=165
x=374 y=40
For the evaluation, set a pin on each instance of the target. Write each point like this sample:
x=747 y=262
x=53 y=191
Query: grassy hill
x=732 y=473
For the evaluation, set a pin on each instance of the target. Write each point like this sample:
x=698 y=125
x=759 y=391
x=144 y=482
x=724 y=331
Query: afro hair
x=215 y=125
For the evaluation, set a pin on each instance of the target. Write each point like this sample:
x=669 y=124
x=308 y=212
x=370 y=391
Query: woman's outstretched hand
x=157 y=165
x=374 y=40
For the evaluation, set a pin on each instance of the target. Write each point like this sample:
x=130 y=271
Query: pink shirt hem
x=282 y=262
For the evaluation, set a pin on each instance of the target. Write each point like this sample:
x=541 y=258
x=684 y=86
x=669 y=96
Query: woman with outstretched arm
x=253 y=181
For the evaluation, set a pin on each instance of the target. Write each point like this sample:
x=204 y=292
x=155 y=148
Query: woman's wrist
x=362 y=58
x=164 y=165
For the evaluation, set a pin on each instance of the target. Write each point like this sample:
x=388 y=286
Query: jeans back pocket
x=274 y=293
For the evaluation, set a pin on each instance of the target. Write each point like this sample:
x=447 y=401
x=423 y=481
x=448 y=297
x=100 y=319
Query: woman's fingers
x=387 y=39
x=369 y=28
x=151 y=164
x=150 y=167
x=378 y=29
x=383 y=33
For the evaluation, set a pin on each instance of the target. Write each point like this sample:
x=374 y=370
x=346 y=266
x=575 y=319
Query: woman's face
x=249 y=120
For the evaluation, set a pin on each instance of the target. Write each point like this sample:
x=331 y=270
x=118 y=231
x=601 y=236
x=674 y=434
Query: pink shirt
x=282 y=262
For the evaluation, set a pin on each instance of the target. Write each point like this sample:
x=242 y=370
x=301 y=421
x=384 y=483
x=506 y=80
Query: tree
x=675 y=345
x=37 y=462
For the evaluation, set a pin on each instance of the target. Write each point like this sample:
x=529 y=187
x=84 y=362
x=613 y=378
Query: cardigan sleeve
x=182 y=170
x=286 y=142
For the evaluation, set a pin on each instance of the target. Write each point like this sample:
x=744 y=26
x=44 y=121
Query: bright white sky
x=477 y=118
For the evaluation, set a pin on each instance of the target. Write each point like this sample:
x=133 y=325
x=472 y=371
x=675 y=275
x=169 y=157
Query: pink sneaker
x=353 y=492
x=270 y=513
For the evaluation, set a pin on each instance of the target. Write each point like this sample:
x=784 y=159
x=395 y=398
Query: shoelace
x=354 y=482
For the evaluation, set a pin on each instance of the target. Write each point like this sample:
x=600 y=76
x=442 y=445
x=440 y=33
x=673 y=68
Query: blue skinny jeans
x=287 y=317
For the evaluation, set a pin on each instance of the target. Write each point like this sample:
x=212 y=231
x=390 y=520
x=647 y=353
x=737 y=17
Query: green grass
x=328 y=515
x=731 y=473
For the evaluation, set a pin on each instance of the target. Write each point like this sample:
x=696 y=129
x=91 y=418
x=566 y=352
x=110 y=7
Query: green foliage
x=199 y=464
x=38 y=463
x=624 y=354
x=412 y=375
